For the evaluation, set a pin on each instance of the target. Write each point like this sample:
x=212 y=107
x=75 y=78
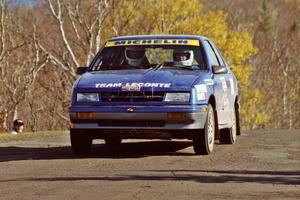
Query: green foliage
x=159 y=55
x=5 y=137
x=267 y=17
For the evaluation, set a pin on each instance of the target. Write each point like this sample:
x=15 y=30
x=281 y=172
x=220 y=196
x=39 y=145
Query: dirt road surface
x=261 y=165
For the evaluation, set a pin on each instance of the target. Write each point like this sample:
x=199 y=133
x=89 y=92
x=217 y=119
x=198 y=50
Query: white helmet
x=183 y=57
x=134 y=55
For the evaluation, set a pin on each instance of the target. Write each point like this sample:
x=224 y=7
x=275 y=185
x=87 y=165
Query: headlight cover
x=177 y=97
x=87 y=97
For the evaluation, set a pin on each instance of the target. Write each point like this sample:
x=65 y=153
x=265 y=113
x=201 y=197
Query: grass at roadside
x=5 y=137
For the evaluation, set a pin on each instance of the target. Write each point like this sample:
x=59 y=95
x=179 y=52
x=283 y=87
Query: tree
x=267 y=17
x=187 y=17
x=21 y=61
x=42 y=45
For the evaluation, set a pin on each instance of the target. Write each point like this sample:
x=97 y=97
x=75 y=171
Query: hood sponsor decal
x=224 y=85
x=209 y=81
x=202 y=93
x=133 y=86
x=231 y=86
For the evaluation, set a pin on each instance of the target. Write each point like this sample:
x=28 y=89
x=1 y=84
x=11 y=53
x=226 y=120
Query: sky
x=22 y=2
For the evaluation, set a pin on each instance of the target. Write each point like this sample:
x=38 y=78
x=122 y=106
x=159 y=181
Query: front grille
x=132 y=96
x=131 y=123
x=120 y=123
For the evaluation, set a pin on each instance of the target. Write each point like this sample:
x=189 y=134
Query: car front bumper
x=102 y=123
x=143 y=121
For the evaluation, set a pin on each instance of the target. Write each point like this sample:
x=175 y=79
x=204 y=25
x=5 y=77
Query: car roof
x=141 y=37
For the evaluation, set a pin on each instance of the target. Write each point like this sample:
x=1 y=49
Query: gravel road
x=261 y=165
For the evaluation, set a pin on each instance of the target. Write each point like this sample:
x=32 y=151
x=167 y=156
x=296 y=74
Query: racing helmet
x=183 y=57
x=134 y=55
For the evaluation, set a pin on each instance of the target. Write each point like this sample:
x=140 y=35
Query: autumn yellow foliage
x=188 y=17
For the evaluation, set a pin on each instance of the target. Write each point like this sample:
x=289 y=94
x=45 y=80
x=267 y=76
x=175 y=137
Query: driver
x=183 y=57
x=135 y=56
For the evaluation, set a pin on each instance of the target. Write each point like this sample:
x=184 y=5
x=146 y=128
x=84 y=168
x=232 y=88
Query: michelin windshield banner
x=152 y=42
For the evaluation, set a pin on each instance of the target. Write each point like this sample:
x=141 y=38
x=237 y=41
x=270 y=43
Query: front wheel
x=81 y=144
x=203 y=141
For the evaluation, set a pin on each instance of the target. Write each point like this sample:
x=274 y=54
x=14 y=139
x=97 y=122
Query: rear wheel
x=113 y=141
x=228 y=135
x=237 y=116
x=81 y=144
x=203 y=141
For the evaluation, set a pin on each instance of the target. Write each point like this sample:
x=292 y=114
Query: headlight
x=177 y=97
x=87 y=97
x=202 y=93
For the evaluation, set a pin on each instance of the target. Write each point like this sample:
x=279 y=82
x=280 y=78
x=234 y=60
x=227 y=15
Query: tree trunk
x=15 y=112
x=4 y=124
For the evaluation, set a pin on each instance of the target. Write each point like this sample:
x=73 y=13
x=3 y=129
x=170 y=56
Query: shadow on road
x=199 y=176
x=125 y=150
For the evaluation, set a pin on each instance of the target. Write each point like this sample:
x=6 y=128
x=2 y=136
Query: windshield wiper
x=186 y=67
x=181 y=67
x=158 y=66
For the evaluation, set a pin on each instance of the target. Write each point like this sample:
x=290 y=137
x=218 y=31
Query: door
x=222 y=87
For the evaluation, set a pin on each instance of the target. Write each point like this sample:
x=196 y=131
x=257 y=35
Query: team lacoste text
x=132 y=85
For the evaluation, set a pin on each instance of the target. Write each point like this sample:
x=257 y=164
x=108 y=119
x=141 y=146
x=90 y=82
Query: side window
x=211 y=54
x=220 y=58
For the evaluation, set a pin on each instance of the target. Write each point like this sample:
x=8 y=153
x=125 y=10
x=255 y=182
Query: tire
x=203 y=140
x=81 y=144
x=113 y=141
x=229 y=135
x=237 y=117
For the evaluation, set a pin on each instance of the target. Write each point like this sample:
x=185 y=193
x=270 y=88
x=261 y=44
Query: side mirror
x=217 y=69
x=81 y=70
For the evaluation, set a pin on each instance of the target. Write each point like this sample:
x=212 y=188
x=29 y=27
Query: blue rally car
x=155 y=87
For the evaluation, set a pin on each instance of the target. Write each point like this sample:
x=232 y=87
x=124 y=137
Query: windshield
x=183 y=57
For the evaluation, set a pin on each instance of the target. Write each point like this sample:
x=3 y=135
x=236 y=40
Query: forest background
x=42 y=42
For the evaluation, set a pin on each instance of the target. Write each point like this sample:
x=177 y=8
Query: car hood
x=135 y=80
